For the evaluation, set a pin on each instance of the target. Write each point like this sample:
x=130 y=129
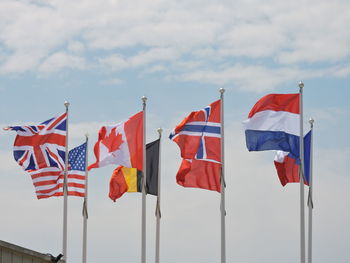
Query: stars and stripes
x=49 y=182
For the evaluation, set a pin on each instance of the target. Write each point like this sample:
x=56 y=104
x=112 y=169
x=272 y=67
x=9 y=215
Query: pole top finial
x=301 y=84
x=311 y=121
x=160 y=130
x=221 y=90
x=144 y=99
x=87 y=135
x=66 y=103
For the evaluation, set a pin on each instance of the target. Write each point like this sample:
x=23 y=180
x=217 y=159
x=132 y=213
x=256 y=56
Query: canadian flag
x=121 y=144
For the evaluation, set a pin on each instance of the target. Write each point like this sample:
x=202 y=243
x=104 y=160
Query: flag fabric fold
x=120 y=144
x=50 y=183
x=41 y=146
x=287 y=165
x=199 y=139
x=126 y=179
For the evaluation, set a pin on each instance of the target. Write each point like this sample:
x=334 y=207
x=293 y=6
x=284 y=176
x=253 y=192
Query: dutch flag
x=273 y=124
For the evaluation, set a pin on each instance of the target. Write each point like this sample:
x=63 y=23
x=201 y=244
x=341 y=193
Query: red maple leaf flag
x=121 y=144
x=113 y=140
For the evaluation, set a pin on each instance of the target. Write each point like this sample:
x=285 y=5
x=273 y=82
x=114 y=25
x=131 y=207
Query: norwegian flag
x=199 y=139
x=40 y=150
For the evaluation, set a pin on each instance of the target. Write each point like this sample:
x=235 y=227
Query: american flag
x=76 y=173
x=75 y=178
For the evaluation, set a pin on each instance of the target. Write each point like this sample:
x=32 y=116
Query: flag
x=76 y=171
x=152 y=167
x=199 y=139
x=41 y=146
x=287 y=165
x=40 y=151
x=50 y=182
x=273 y=124
x=126 y=179
x=121 y=144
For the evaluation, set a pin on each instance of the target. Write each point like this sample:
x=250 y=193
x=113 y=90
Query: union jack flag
x=199 y=139
x=40 y=150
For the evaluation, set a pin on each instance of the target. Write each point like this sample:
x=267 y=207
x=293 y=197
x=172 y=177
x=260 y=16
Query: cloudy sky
x=103 y=56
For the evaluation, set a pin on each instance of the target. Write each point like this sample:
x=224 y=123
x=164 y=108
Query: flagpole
x=85 y=204
x=143 y=230
x=310 y=199
x=222 y=181
x=158 y=202
x=301 y=176
x=65 y=191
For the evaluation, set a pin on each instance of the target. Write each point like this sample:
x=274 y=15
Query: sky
x=103 y=56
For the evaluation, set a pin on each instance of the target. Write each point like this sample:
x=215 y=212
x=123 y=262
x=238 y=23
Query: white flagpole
x=65 y=191
x=301 y=178
x=158 y=202
x=143 y=225
x=310 y=199
x=85 y=204
x=222 y=181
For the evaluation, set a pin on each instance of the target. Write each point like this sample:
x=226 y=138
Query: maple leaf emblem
x=113 y=140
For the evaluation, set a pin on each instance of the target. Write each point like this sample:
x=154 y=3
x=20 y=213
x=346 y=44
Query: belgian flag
x=130 y=179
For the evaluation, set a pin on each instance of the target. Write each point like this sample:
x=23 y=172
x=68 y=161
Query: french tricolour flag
x=274 y=124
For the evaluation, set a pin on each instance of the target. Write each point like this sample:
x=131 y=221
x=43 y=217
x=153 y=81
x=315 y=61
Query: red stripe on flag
x=60 y=118
x=277 y=102
x=134 y=135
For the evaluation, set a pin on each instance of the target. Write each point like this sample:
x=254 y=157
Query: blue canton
x=77 y=157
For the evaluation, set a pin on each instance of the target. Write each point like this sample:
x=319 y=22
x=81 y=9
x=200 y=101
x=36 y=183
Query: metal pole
x=222 y=181
x=65 y=191
x=85 y=205
x=158 y=202
x=301 y=178
x=143 y=230
x=310 y=202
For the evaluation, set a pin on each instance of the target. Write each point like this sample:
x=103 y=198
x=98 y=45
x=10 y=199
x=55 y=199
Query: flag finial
x=144 y=99
x=66 y=103
x=311 y=121
x=160 y=130
x=222 y=90
x=301 y=84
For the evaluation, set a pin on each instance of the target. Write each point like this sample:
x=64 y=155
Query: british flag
x=199 y=139
x=40 y=150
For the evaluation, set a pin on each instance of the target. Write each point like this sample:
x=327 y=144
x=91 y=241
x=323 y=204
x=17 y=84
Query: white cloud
x=59 y=61
x=116 y=62
x=76 y=46
x=250 y=78
x=288 y=33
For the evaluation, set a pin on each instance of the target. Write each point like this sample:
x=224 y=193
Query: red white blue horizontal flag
x=273 y=124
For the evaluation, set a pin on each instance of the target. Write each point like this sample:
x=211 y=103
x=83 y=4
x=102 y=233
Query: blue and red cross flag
x=199 y=139
x=40 y=150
